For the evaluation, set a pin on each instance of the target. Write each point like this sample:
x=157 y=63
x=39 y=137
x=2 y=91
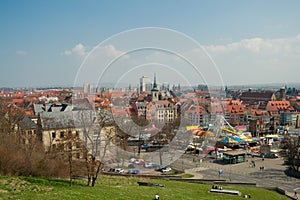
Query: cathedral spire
x=154 y=90
x=154 y=84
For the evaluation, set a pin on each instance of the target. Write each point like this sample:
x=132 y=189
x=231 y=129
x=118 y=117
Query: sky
x=52 y=43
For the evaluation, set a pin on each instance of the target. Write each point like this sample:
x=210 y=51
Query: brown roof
x=196 y=109
x=235 y=152
x=258 y=95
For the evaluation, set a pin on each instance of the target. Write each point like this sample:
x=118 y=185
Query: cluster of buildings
x=49 y=113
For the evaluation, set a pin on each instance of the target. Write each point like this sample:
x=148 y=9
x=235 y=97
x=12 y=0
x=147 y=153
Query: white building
x=145 y=84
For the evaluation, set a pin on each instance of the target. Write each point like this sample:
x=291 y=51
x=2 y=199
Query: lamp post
x=160 y=155
x=230 y=169
x=134 y=152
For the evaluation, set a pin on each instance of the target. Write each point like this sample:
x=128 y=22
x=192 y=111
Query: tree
x=98 y=131
x=292 y=147
x=10 y=118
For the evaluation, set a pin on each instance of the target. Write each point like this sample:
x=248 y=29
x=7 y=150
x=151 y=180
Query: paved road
x=273 y=174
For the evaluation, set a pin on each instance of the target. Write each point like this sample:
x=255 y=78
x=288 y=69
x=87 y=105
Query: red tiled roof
x=17 y=100
x=275 y=106
x=29 y=112
x=196 y=110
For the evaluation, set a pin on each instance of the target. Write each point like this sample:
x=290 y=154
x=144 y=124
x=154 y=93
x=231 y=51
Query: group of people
x=252 y=164
x=219 y=187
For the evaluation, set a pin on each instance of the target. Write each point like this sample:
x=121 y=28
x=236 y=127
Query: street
x=267 y=173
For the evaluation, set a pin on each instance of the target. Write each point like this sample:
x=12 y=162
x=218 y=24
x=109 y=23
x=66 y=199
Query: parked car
x=132 y=160
x=148 y=165
x=139 y=161
x=133 y=171
x=111 y=170
x=152 y=166
x=271 y=155
x=164 y=169
x=156 y=166
x=120 y=170
x=132 y=165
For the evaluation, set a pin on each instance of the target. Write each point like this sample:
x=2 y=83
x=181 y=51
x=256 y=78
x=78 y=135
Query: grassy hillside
x=116 y=188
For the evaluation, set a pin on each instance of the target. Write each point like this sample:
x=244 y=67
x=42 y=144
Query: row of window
x=62 y=134
x=162 y=116
x=62 y=146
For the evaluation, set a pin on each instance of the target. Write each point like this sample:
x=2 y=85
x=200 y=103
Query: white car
x=148 y=165
x=132 y=160
x=166 y=169
x=119 y=170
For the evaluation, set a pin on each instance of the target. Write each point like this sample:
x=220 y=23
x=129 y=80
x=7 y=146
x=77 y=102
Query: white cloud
x=79 y=50
x=109 y=51
x=21 y=53
x=258 y=60
x=258 y=45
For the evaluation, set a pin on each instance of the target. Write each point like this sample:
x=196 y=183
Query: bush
x=19 y=159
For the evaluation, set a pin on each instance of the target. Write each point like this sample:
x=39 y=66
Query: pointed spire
x=154 y=84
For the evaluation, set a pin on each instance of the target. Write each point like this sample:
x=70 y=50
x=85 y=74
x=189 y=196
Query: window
x=53 y=135
x=77 y=133
x=62 y=134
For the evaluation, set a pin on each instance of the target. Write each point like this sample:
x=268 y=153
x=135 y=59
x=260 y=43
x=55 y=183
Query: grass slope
x=117 y=188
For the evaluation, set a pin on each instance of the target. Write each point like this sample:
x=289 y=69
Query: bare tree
x=21 y=148
x=10 y=118
x=98 y=131
x=292 y=147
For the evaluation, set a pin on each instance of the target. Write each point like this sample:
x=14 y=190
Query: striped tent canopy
x=243 y=137
x=232 y=140
x=205 y=134
x=191 y=128
x=196 y=130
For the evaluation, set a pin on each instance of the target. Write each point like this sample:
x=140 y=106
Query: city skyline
x=44 y=43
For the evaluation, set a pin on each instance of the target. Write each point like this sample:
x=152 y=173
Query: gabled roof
x=194 y=109
x=56 y=120
x=164 y=104
x=275 y=106
x=27 y=123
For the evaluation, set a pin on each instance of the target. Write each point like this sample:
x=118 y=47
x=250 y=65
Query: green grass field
x=117 y=188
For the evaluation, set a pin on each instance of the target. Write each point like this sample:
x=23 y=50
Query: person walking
x=156 y=197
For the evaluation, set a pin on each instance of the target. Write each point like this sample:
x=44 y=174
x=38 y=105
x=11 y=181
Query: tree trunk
x=89 y=180
x=70 y=168
x=94 y=180
x=96 y=174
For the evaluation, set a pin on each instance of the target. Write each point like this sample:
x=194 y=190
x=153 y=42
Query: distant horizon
x=126 y=85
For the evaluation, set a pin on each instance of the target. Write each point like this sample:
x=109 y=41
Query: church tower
x=154 y=90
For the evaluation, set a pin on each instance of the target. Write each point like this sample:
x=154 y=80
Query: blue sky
x=250 y=41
